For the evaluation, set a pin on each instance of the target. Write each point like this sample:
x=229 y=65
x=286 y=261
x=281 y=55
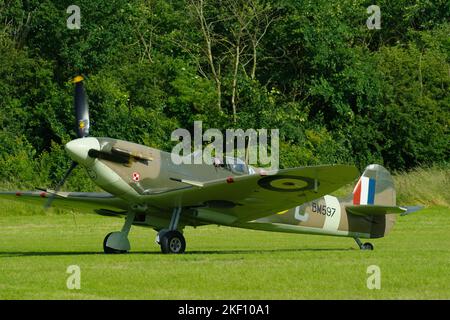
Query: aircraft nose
x=78 y=149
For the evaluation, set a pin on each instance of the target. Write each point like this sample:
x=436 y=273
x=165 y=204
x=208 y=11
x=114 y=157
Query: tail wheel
x=367 y=246
x=173 y=242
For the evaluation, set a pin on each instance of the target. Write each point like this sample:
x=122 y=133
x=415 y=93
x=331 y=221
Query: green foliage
x=16 y=154
x=416 y=99
x=337 y=91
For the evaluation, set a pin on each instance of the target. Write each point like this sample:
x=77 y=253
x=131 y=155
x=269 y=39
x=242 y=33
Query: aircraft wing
x=101 y=203
x=225 y=201
x=249 y=197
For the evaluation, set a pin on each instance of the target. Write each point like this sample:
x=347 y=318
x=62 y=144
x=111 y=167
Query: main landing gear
x=171 y=240
x=117 y=242
x=365 y=246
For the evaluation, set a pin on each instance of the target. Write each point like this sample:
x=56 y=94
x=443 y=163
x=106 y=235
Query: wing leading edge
x=80 y=201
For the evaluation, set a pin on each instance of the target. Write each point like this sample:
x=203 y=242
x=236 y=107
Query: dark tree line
x=337 y=91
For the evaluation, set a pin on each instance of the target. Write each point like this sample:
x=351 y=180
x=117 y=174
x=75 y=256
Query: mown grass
x=222 y=263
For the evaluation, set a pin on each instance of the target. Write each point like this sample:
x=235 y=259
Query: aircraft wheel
x=173 y=242
x=109 y=250
x=367 y=246
x=160 y=235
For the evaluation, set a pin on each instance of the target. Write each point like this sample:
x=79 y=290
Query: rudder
x=376 y=187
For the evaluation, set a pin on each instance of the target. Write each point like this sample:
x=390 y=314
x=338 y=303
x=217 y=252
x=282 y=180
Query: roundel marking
x=286 y=183
x=136 y=176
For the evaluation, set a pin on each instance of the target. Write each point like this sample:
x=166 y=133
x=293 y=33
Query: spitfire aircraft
x=143 y=185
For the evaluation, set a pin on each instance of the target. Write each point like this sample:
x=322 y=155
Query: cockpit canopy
x=235 y=165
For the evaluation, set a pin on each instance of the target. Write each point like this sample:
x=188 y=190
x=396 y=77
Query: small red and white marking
x=136 y=176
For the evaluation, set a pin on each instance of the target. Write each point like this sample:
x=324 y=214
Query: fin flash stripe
x=364 y=192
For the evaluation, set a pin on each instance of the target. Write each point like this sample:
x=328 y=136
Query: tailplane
x=373 y=203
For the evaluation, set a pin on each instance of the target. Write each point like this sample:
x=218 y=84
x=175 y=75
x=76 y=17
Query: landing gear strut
x=171 y=240
x=117 y=242
x=365 y=246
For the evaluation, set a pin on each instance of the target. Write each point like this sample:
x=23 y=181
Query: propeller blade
x=60 y=184
x=81 y=108
x=82 y=117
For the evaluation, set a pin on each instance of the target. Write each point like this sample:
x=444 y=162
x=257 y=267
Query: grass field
x=220 y=263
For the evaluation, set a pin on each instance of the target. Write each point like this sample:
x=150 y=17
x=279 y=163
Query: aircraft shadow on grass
x=13 y=254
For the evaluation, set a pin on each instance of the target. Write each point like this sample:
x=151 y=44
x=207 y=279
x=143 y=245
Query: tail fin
x=374 y=196
x=375 y=187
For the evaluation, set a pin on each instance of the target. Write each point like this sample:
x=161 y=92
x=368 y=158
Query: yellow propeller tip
x=78 y=79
